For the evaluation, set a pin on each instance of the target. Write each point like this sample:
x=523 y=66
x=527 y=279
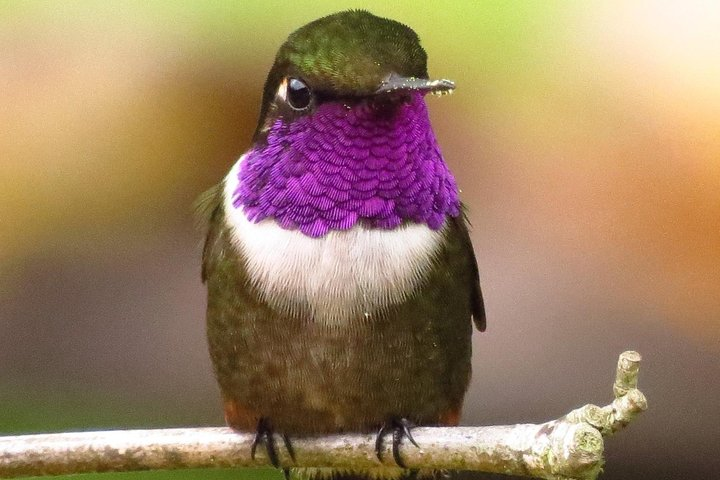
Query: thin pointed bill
x=397 y=83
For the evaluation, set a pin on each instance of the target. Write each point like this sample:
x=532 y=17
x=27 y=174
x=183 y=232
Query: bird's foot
x=400 y=428
x=266 y=435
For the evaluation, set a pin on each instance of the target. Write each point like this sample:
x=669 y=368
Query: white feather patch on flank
x=341 y=276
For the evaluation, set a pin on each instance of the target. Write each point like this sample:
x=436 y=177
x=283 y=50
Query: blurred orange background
x=585 y=138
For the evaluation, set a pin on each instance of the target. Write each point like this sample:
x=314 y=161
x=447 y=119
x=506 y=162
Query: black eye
x=298 y=94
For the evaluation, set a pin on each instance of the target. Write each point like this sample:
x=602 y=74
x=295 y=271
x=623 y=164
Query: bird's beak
x=395 y=83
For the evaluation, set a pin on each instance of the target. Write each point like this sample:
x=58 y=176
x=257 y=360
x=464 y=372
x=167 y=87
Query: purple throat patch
x=340 y=166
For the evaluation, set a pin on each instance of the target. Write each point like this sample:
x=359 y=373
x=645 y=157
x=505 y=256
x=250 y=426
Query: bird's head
x=344 y=135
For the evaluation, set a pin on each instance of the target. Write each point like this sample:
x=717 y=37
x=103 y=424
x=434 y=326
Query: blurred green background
x=585 y=137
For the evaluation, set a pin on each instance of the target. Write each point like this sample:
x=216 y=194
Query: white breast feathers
x=343 y=276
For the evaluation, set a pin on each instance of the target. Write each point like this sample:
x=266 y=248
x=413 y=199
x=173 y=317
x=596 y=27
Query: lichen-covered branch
x=568 y=447
x=628 y=403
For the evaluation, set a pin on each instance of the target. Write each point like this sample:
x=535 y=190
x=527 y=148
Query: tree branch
x=568 y=447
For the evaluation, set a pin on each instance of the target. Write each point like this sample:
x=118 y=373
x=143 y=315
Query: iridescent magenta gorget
x=347 y=164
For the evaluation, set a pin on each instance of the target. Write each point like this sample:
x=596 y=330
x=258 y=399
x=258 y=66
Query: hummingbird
x=342 y=283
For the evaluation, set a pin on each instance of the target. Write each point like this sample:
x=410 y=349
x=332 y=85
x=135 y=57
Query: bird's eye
x=298 y=94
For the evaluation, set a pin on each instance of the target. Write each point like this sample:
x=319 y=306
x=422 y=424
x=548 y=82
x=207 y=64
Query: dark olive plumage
x=410 y=360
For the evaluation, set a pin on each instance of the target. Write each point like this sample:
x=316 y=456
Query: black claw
x=289 y=447
x=286 y=473
x=406 y=426
x=271 y=450
x=397 y=438
x=264 y=434
x=379 y=441
x=258 y=438
x=400 y=428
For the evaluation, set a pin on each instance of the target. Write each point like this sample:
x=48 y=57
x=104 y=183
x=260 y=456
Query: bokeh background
x=585 y=137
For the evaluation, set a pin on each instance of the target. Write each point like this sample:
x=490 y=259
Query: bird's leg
x=265 y=434
x=400 y=428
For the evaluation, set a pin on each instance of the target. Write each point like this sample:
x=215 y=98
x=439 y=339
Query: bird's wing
x=208 y=212
x=478 y=307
